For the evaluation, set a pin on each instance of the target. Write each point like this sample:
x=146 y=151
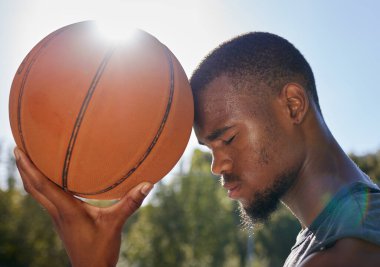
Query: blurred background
x=188 y=220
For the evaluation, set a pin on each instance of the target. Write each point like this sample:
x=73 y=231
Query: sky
x=340 y=39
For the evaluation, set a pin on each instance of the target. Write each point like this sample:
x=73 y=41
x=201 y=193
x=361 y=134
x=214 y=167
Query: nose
x=221 y=163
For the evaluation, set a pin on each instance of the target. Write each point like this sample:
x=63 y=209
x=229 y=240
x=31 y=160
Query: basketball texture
x=98 y=118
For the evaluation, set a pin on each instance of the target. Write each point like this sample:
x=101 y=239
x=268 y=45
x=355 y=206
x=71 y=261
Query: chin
x=263 y=203
x=258 y=211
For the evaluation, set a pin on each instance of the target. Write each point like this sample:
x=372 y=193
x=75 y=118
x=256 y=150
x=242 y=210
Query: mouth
x=233 y=190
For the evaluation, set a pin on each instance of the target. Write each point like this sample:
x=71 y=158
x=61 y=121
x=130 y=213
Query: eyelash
x=229 y=141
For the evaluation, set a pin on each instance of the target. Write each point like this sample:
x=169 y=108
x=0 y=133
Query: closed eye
x=229 y=141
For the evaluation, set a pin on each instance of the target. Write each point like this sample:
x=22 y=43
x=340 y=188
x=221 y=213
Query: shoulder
x=346 y=252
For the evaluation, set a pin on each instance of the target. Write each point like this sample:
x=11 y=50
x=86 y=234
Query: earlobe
x=297 y=101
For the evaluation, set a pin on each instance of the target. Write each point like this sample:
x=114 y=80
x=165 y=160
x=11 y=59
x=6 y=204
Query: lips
x=233 y=189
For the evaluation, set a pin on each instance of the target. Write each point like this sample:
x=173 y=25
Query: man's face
x=254 y=146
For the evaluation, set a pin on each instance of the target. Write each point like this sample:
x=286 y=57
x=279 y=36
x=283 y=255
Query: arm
x=347 y=252
x=91 y=235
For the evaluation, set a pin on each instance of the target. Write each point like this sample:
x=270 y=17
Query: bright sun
x=116 y=30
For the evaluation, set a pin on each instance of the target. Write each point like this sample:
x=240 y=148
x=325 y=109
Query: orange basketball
x=98 y=118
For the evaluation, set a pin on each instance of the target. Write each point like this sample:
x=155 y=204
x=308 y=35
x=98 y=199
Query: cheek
x=260 y=164
x=253 y=159
x=250 y=149
x=287 y=158
x=262 y=151
x=256 y=153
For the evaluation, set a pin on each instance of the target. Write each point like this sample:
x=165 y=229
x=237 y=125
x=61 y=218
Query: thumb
x=131 y=202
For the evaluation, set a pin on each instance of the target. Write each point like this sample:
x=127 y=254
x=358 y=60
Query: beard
x=266 y=201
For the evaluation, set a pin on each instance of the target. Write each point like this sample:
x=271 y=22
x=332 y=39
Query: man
x=257 y=109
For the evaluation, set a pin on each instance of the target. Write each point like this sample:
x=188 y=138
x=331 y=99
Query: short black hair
x=257 y=56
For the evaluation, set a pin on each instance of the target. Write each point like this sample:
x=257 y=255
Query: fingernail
x=146 y=189
x=17 y=154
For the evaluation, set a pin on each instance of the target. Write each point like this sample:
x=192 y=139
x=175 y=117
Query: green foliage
x=370 y=164
x=27 y=235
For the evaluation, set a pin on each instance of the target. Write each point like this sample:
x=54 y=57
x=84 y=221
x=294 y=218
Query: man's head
x=262 y=57
x=252 y=95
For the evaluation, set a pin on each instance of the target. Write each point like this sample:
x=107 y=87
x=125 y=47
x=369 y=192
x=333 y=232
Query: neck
x=325 y=170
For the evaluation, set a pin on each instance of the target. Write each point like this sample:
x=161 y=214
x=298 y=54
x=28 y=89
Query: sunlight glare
x=115 y=31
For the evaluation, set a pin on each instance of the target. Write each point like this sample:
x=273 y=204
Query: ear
x=297 y=101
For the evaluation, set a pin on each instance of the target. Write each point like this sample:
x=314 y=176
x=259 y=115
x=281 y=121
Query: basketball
x=97 y=118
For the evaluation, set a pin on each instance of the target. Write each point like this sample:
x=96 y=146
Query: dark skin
x=257 y=139
x=253 y=138
x=91 y=235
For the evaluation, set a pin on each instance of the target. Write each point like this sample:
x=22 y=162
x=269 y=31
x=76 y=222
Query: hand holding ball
x=97 y=118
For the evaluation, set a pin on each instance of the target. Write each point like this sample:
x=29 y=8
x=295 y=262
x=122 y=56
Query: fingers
x=59 y=203
x=48 y=194
x=130 y=202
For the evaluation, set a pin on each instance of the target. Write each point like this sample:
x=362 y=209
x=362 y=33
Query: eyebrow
x=216 y=134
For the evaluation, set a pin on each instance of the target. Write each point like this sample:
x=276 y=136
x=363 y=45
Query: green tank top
x=353 y=212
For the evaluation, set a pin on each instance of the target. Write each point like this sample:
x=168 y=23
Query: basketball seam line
x=81 y=114
x=155 y=139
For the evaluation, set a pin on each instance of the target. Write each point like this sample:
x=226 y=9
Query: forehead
x=221 y=104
